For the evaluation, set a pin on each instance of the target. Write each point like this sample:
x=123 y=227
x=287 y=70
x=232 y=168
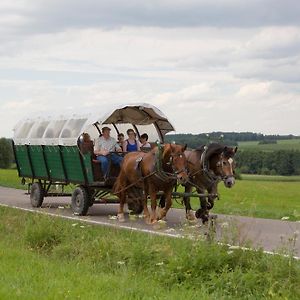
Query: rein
x=160 y=173
x=211 y=177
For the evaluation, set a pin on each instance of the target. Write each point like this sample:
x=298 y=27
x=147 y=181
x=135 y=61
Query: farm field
x=261 y=196
x=48 y=258
x=293 y=144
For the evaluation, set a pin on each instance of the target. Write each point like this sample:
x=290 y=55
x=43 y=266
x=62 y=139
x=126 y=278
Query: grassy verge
x=9 y=178
x=272 y=197
x=259 y=198
x=47 y=258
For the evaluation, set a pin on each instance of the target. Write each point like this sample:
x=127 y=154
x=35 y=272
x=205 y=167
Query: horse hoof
x=121 y=217
x=190 y=216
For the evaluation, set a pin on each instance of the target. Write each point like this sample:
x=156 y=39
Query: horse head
x=173 y=157
x=223 y=165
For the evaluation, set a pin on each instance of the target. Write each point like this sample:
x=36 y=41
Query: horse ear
x=235 y=149
x=225 y=149
x=184 y=147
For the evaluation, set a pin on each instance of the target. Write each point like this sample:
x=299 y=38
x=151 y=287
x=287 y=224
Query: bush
x=6 y=153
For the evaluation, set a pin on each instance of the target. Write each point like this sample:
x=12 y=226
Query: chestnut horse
x=208 y=165
x=154 y=171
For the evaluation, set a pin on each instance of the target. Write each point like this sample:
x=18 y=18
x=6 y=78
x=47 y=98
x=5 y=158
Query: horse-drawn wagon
x=51 y=152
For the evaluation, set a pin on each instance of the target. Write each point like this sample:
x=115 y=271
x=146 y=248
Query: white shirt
x=109 y=144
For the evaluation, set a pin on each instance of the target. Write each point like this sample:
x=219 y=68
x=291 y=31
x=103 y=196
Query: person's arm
x=124 y=146
x=118 y=147
x=138 y=146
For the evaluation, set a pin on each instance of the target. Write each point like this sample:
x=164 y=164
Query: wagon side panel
x=87 y=160
x=38 y=162
x=73 y=165
x=23 y=161
x=54 y=162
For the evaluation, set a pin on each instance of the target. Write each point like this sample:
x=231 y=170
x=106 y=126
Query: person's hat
x=105 y=128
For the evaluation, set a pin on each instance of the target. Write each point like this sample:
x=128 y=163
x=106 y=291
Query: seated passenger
x=131 y=144
x=85 y=143
x=121 y=140
x=103 y=146
x=144 y=141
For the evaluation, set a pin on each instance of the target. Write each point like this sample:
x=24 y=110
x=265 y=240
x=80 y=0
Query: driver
x=103 y=146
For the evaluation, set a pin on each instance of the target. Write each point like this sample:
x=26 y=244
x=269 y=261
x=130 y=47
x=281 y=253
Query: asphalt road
x=271 y=235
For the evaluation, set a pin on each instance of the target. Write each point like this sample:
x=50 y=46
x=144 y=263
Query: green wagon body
x=48 y=150
x=63 y=164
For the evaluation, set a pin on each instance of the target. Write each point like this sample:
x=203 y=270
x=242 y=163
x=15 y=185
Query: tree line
x=280 y=162
x=277 y=162
x=228 y=138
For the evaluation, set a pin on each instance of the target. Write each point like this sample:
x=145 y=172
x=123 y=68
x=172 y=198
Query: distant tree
x=6 y=153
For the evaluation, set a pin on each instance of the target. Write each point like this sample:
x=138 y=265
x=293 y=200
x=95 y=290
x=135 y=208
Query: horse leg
x=120 y=215
x=187 y=203
x=212 y=190
x=153 y=195
x=202 y=213
x=168 y=197
x=145 y=205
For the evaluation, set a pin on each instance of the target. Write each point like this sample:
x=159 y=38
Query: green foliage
x=282 y=162
x=6 y=153
x=93 y=262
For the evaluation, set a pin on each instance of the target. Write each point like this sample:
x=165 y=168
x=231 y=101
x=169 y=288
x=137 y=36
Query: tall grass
x=46 y=258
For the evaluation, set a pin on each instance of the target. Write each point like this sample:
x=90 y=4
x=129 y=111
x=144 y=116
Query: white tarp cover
x=65 y=129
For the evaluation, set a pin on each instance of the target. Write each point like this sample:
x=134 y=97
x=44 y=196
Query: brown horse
x=208 y=165
x=151 y=172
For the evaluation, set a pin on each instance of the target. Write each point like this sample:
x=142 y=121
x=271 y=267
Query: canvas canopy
x=65 y=129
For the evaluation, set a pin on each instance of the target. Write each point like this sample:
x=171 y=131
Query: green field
x=293 y=144
x=272 y=197
x=50 y=258
x=260 y=196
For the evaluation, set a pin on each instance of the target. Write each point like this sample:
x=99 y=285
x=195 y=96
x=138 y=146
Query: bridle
x=211 y=176
x=160 y=172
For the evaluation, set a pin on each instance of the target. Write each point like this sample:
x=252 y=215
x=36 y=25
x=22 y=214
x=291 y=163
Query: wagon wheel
x=81 y=201
x=36 y=194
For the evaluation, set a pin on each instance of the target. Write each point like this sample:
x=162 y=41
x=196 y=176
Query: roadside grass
x=51 y=258
x=9 y=178
x=293 y=144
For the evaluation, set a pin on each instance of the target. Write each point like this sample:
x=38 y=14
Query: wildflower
x=234 y=247
x=224 y=225
x=121 y=262
x=285 y=218
x=74 y=224
x=160 y=263
x=82 y=226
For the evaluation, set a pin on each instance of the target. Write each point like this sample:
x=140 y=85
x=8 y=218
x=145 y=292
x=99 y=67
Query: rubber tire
x=80 y=201
x=36 y=194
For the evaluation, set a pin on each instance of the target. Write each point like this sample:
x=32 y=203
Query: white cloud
x=224 y=74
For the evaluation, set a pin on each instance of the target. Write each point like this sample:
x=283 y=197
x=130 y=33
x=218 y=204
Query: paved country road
x=271 y=235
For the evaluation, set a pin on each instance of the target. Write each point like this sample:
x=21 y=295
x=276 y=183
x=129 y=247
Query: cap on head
x=105 y=128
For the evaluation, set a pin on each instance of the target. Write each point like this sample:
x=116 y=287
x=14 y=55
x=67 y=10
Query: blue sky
x=209 y=65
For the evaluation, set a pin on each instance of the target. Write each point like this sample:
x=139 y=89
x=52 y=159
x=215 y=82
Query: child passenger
x=144 y=141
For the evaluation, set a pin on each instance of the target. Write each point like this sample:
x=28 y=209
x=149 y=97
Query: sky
x=208 y=65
